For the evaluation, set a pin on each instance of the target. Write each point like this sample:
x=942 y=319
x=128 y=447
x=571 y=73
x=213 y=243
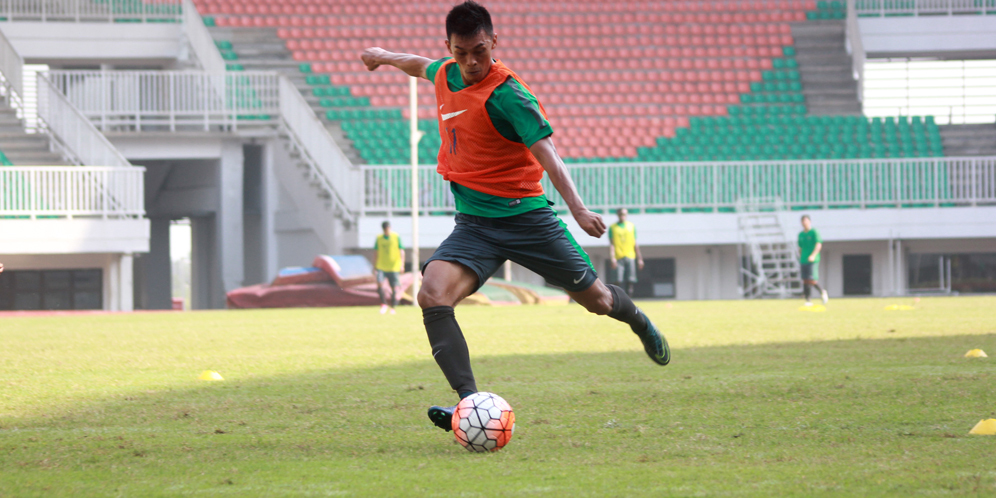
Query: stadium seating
x=620 y=81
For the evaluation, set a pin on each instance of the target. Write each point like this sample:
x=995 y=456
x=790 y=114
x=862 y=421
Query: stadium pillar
x=153 y=271
x=126 y=291
x=229 y=230
x=415 y=135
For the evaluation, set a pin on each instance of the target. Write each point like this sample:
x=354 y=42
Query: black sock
x=449 y=348
x=818 y=288
x=807 y=289
x=625 y=311
x=394 y=297
x=380 y=293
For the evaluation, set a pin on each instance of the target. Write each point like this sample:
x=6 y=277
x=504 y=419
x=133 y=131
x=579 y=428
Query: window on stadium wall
x=857 y=275
x=961 y=273
x=23 y=290
x=655 y=280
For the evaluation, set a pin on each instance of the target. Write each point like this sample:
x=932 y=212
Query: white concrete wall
x=95 y=43
x=704 y=246
x=721 y=228
x=65 y=236
x=939 y=36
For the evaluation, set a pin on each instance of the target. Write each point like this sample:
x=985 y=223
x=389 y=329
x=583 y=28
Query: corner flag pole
x=414 y=137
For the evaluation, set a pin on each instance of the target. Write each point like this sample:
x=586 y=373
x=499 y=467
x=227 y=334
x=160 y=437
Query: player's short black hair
x=468 y=19
x=385 y=225
x=805 y=217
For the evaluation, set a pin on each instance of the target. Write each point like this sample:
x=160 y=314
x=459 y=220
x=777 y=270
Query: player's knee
x=430 y=297
x=599 y=304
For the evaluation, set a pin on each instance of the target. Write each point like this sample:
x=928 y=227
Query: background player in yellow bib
x=390 y=262
x=624 y=252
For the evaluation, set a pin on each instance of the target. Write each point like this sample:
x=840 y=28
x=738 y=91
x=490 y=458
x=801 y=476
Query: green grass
x=760 y=400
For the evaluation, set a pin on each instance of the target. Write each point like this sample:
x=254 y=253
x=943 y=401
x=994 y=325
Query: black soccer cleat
x=442 y=416
x=654 y=344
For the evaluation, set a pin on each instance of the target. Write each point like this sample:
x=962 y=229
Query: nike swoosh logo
x=582 y=276
x=435 y=353
x=453 y=114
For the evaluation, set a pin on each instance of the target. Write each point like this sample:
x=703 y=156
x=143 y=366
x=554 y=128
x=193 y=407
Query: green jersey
x=515 y=114
x=807 y=245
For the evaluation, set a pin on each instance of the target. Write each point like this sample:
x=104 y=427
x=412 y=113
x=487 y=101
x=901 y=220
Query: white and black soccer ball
x=483 y=422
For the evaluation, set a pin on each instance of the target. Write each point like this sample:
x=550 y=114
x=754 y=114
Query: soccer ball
x=483 y=422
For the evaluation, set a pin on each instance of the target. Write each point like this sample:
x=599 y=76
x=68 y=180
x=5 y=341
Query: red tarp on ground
x=348 y=281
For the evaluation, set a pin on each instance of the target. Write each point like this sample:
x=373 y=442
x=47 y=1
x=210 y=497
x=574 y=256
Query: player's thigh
x=446 y=283
x=620 y=271
x=392 y=278
x=631 y=270
x=380 y=277
x=552 y=252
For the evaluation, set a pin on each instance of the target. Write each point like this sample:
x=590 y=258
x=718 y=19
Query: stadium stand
x=621 y=82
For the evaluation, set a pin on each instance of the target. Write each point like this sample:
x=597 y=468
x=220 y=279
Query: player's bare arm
x=546 y=153
x=413 y=65
x=816 y=252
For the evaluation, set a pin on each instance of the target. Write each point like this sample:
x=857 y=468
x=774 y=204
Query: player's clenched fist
x=591 y=223
x=373 y=57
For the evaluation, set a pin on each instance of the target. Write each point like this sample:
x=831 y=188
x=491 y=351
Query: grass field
x=760 y=399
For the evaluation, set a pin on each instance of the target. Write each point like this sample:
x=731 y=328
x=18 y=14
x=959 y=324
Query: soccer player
x=496 y=146
x=624 y=252
x=390 y=262
x=810 y=245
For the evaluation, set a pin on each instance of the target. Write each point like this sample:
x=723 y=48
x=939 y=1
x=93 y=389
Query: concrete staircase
x=969 y=140
x=825 y=68
x=23 y=148
x=260 y=49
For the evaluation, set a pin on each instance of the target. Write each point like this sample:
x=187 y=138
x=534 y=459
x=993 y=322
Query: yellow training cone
x=816 y=308
x=210 y=375
x=899 y=307
x=984 y=428
x=976 y=353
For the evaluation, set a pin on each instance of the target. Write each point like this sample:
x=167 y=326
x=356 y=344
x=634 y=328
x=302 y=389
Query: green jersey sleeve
x=430 y=72
x=516 y=114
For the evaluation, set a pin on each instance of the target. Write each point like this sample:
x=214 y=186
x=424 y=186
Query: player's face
x=622 y=215
x=806 y=224
x=473 y=55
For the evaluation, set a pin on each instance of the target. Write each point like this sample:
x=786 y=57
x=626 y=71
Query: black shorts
x=809 y=271
x=537 y=240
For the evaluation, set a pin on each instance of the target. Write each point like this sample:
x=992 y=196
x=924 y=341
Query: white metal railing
x=883 y=8
x=200 y=40
x=72 y=133
x=855 y=47
x=955 y=92
x=328 y=164
x=148 y=101
x=91 y=10
x=71 y=191
x=716 y=187
x=143 y=101
x=11 y=73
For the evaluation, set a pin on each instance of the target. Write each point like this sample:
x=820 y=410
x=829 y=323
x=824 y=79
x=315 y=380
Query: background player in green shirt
x=390 y=262
x=810 y=244
x=491 y=229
